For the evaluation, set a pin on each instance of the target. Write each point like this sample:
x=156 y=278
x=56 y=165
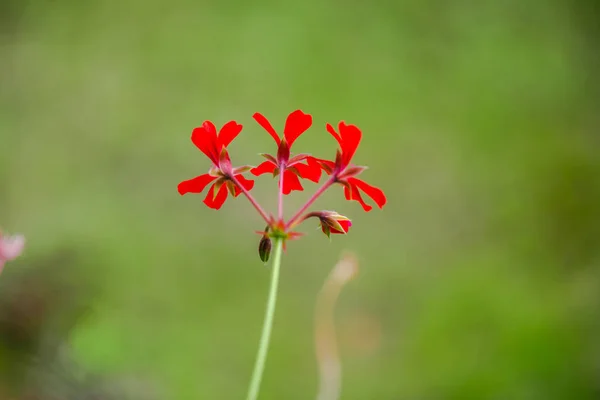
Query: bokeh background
x=479 y=279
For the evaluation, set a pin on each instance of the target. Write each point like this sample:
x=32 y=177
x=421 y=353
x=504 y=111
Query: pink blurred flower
x=11 y=247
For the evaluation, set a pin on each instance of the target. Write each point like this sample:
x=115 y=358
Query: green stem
x=263 y=347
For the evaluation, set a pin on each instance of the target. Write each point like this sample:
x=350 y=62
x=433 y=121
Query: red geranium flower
x=349 y=137
x=296 y=124
x=225 y=177
x=278 y=230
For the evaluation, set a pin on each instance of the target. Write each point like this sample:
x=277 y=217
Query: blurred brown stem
x=330 y=370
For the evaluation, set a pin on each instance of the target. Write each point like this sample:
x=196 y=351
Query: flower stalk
x=280 y=202
x=265 y=337
x=296 y=218
x=249 y=196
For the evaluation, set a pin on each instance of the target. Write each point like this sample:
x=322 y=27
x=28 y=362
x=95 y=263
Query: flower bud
x=264 y=248
x=332 y=222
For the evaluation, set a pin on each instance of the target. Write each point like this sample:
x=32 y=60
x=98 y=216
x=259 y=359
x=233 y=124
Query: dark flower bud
x=264 y=248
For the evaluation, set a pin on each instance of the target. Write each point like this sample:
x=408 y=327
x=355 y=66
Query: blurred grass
x=479 y=122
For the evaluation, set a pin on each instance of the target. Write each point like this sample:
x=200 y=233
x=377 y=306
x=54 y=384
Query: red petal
x=296 y=124
x=248 y=184
x=351 y=136
x=228 y=132
x=205 y=139
x=291 y=182
x=345 y=224
x=263 y=168
x=217 y=201
x=316 y=162
x=311 y=172
x=195 y=185
x=355 y=195
x=258 y=117
x=373 y=192
x=334 y=133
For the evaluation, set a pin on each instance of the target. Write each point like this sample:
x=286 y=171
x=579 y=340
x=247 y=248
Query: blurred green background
x=479 y=279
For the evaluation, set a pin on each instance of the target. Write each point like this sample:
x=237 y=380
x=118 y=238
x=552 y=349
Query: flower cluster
x=227 y=179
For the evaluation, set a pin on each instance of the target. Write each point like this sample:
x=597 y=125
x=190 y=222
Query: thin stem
x=330 y=368
x=263 y=347
x=260 y=210
x=280 y=208
x=312 y=199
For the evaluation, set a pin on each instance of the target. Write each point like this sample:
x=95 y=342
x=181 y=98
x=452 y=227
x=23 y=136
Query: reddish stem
x=312 y=199
x=280 y=208
x=260 y=210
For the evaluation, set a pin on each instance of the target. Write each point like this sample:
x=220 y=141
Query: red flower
x=353 y=187
x=221 y=172
x=349 y=137
x=296 y=124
